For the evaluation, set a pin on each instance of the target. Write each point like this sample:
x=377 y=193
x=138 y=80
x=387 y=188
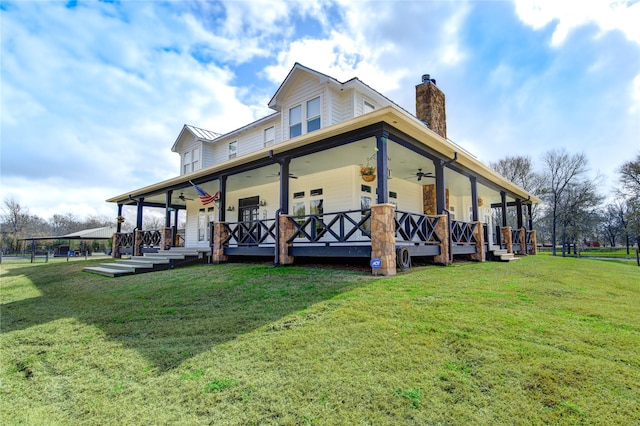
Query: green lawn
x=603 y=252
x=542 y=341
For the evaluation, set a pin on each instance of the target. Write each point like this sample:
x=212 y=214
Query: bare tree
x=564 y=187
x=518 y=170
x=612 y=222
x=630 y=191
x=153 y=222
x=67 y=223
x=15 y=219
x=578 y=215
x=630 y=177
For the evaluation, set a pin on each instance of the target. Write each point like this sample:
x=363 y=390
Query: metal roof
x=202 y=133
x=87 y=234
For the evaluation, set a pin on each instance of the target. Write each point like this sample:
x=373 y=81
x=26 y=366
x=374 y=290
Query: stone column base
x=285 y=232
x=115 y=245
x=442 y=232
x=165 y=238
x=534 y=242
x=479 y=255
x=220 y=234
x=137 y=243
x=506 y=238
x=383 y=238
x=523 y=242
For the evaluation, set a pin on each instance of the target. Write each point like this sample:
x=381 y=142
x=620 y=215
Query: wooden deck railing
x=124 y=240
x=339 y=227
x=463 y=232
x=250 y=233
x=528 y=237
x=414 y=227
x=151 y=238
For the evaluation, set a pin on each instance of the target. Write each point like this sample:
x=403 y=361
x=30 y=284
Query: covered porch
x=307 y=197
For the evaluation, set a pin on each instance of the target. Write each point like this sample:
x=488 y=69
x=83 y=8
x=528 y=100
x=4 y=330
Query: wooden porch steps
x=151 y=262
x=501 y=255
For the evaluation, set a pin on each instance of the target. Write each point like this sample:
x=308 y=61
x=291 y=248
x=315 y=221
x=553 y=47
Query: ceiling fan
x=291 y=175
x=183 y=198
x=420 y=174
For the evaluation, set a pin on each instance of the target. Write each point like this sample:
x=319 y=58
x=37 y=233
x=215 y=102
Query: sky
x=94 y=94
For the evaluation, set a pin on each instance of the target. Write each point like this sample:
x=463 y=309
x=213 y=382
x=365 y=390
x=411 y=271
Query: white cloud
x=568 y=15
x=93 y=97
x=86 y=93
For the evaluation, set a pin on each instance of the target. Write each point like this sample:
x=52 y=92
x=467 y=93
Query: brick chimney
x=430 y=105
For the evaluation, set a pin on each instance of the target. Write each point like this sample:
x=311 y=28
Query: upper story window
x=269 y=136
x=367 y=107
x=190 y=161
x=233 y=149
x=195 y=163
x=295 y=121
x=186 y=162
x=313 y=114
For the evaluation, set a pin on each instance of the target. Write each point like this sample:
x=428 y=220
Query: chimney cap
x=426 y=78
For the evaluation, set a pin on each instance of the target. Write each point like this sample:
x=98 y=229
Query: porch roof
x=393 y=116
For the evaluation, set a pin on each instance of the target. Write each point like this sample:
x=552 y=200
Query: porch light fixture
x=230 y=208
x=263 y=203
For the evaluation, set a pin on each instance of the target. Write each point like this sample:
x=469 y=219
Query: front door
x=249 y=228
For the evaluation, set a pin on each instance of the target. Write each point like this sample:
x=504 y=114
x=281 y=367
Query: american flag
x=205 y=197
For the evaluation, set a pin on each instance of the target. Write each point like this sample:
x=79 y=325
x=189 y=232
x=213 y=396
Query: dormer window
x=295 y=121
x=190 y=161
x=313 y=114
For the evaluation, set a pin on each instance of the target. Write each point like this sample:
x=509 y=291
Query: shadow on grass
x=167 y=316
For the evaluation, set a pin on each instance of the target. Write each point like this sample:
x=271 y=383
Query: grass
x=545 y=340
x=601 y=252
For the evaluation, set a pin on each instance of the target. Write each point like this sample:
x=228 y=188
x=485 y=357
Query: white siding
x=335 y=185
x=409 y=195
x=306 y=88
x=341 y=107
x=250 y=142
x=208 y=154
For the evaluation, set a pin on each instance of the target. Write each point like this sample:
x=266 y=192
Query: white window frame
x=202 y=224
x=297 y=124
x=313 y=118
x=269 y=139
x=186 y=162
x=367 y=106
x=233 y=149
x=190 y=161
x=195 y=159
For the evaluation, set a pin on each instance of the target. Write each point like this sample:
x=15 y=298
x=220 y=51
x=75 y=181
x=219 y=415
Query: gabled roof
x=275 y=102
x=288 y=81
x=200 y=134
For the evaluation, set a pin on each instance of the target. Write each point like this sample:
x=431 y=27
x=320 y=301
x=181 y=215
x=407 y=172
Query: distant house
x=337 y=170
